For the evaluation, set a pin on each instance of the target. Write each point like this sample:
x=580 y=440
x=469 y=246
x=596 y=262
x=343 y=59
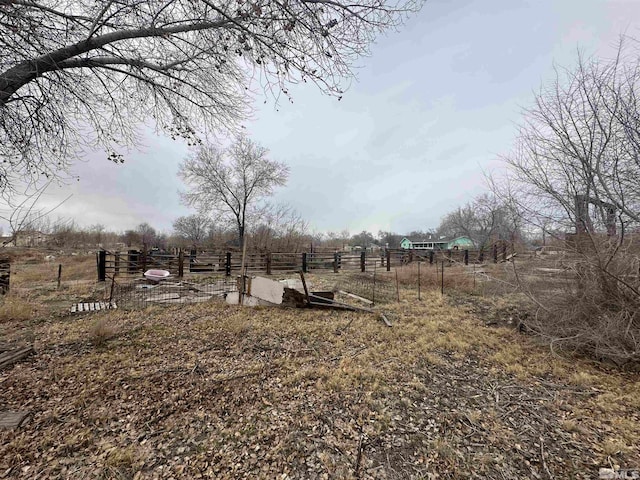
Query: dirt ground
x=219 y=391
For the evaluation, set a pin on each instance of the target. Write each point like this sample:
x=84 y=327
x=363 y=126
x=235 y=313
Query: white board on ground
x=248 y=300
x=266 y=289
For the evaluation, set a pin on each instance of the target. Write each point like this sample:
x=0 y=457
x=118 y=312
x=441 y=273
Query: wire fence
x=138 y=293
x=380 y=286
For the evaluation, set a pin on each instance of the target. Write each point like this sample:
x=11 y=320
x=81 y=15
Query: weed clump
x=100 y=332
x=15 y=309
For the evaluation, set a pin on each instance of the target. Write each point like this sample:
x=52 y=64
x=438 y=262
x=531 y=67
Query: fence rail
x=133 y=262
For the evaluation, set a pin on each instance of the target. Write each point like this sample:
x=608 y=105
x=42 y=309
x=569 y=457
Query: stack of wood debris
x=255 y=291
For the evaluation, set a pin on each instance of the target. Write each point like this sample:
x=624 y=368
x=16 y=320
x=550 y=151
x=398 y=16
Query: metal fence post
x=442 y=278
x=373 y=296
x=102 y=265
x=180 y=263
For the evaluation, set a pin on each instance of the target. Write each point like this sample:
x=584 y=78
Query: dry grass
x=15 y=309
x=221 y=391
x=456 y=277
x=74 y=268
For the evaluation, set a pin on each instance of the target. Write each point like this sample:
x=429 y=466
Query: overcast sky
x=432 y=108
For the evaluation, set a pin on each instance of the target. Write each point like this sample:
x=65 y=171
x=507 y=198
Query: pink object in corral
x=156 y=275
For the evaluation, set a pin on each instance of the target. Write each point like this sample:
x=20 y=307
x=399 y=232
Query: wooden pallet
x=9 y=357
x=92 y=307
x=9 y=420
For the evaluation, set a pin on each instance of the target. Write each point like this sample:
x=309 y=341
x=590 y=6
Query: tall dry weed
x=15 y=309
x=100 y=332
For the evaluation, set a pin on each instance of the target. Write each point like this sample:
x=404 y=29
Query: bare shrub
x=596 y=313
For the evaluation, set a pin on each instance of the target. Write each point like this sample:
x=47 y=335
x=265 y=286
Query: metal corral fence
x=229 y=263
x=134 y=262
x=382 y=278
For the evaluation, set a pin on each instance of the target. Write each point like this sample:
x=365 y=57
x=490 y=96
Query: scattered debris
x=9 y=420
x=10 y=357
x=92 y=306
x=264 y=291
x=357 y=297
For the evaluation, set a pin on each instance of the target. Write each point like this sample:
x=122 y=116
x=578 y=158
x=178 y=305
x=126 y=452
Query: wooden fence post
x=388 y=260
x=59 y=275
x=132 y=262
x=180 y=263
x=304 y=262
x=504 y=251
x=466 y=257
x=495 y=253
x=481 y=255
x=102 y=265
x=335 y=262
x=268 y=263
x=431 y=257
x=144 y=257
x=5 y=275
x=227 y=265
x=363 y=261
x=449 y=255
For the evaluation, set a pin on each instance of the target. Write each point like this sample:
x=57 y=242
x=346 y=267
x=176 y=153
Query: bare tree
x=193 y=228
x=231 y=182
x=484 y=219
x=76 y=73
x=279 y=227
x=147 y=234
x=22 y=211
x=579 y=147
x=576 y=169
